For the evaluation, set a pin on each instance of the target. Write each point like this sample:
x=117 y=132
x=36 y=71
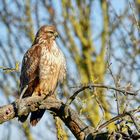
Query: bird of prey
x=43 y=66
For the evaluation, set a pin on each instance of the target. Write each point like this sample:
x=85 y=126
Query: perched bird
x=43 y=66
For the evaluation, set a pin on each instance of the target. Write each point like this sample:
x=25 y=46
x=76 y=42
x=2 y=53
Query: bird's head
x=46 y=34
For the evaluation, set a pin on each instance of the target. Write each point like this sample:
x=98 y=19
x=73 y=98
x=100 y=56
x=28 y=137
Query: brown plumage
x=43 y=66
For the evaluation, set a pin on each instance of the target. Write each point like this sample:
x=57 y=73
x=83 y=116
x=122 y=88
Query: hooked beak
x=56 y=34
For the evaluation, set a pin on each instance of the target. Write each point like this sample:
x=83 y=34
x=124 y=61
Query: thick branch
x=30 y=104
x=70 y=117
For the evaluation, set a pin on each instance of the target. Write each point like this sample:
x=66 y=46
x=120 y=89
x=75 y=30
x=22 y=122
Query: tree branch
x=70 y=117
x=129 y=113
x=92 y=86
x=30 y=104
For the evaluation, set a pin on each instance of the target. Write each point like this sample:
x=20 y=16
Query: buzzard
x=43 y=66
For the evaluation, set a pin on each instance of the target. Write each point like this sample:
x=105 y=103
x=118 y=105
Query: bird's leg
x=47 y=95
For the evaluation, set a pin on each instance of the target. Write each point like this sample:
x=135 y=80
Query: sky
x=118 y=5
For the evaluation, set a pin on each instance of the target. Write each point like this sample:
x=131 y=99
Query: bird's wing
x=30 y=69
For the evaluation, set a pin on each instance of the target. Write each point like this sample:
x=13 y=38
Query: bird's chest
x=50 y=62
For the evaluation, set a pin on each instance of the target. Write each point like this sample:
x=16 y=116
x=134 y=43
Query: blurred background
x=101 y=42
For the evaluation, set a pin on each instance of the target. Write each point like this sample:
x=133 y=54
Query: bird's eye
x=51 y=32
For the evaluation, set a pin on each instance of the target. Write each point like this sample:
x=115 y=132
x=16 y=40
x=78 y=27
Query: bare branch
x=80 y=130
x=89 y=86
x=30 y=104
x=118 y=117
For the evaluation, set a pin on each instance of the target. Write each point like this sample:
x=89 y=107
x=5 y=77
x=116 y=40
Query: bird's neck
x=44 y=42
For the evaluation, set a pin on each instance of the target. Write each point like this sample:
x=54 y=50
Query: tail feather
x=36 y=116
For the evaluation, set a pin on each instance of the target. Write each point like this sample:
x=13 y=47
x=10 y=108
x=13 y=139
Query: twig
x=134 y=121
x=8 y=70
x=118 y=117
x=134 y=15
x=116 y=92
x=89 y=86
x=75 y=94
x=102 y=110
x=23 y=91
